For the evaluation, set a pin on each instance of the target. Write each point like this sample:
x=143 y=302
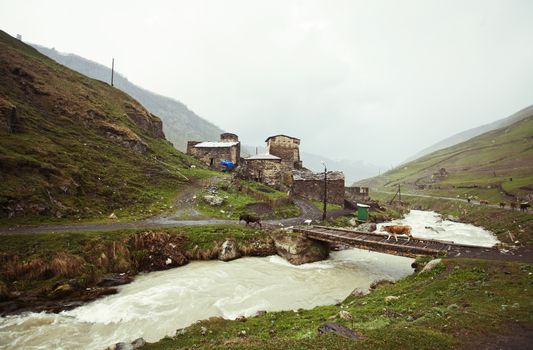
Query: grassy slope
x=240 y=199
x=459 y=303
x=490 y=159
x=74 y=155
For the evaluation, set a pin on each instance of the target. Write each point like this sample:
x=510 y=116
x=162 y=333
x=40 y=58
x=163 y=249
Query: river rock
x=431 y=265
x=453 y=218
x=299 y=250
x=123 y=346
x=114 y=279
x=367 y=227
x=213 y=200
x=337 y=329
x=138 y=343
x=229 y=251
x=380 y=283
x=62 y=290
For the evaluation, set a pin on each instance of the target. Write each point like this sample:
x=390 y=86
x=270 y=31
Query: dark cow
x=249 y=219
x=502 y=205
x=483 y=202
x=524 y=206
x=513 y=205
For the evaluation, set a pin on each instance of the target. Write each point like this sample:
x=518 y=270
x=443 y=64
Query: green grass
x=238 y=202
x=329 y=206
x=460 y=302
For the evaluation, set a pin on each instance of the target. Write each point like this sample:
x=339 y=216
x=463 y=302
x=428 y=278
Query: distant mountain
x=496 y=165
x=468 y=134
x=179 y=123
x=71 y=146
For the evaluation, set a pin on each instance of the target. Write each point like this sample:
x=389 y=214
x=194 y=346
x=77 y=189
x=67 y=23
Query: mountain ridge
x=179 y=122
x=496 y=165
x=473 y=132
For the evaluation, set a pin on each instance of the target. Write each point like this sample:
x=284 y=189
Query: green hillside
x=73 y=147
x=495 y=166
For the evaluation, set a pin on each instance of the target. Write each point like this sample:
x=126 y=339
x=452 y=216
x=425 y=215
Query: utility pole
x=324 y=212
x=112 y=70
x=399 y=193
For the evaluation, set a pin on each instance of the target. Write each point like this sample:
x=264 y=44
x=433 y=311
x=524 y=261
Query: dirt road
x=307 y=209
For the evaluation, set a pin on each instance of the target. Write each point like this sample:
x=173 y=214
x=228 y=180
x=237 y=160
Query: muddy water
x=158 y=303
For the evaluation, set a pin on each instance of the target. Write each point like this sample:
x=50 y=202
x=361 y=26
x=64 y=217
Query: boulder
x=123 y=346
x=300 y=250
x=229 y=251
x=431 y=265
x=380 y=283
x=213 y=200
x=337 y=329
x=367 y=227
x=114 y=279
x=113 y=216
x=138 y=343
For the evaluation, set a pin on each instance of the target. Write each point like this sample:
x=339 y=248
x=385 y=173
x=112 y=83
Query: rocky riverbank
x=78 y=272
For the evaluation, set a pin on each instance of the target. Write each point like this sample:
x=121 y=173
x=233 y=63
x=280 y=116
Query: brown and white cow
x=395 y=230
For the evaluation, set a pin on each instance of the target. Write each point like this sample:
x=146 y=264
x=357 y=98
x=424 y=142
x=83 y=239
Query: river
x=158 y=303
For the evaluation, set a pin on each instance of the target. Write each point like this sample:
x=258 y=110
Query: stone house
x=310 y=185
x=212 y=153
x=356 y=193
x=264 y=168
x=288 y=149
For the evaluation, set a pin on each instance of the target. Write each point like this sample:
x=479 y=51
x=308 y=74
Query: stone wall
x=267 y=171
x=356 y=193
x=312 y=188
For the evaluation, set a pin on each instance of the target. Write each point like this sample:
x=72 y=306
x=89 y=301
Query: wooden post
x=324 y=213
x=112 y=70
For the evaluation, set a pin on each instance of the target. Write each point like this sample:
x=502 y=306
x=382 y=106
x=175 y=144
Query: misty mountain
x=470 y=133
x=180 y=124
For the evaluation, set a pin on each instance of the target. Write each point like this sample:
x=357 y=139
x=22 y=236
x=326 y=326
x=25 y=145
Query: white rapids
x=430 y=225
x=158 y=303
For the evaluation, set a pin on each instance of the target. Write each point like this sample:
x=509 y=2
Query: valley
x=129 y=222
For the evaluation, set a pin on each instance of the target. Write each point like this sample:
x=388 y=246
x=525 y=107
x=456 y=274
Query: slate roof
x=263 y=157
x=210 y=144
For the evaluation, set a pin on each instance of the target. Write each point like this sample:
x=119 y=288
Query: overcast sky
x=371 y=80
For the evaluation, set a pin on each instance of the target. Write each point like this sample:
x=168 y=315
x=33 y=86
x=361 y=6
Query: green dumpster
x=362 y=212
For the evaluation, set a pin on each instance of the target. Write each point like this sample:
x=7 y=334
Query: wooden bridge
x=378 y=242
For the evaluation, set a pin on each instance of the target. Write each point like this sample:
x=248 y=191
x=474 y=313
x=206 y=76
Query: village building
x=310 y=185
x=288 y=149
x=264 y=168
x=213 y=153
x=356 y=193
